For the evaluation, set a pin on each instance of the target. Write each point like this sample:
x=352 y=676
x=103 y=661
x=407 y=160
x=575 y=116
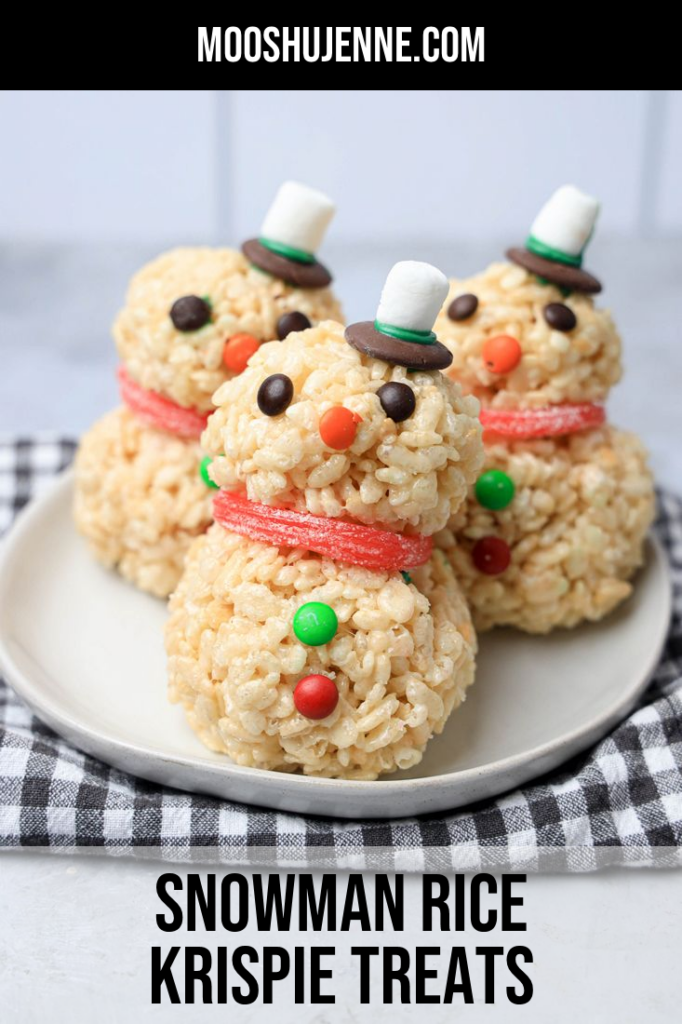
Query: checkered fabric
x=619 y=804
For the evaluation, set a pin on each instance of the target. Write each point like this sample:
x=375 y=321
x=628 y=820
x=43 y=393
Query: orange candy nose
x=238 y=350
x=338 y=427
x=501 y=354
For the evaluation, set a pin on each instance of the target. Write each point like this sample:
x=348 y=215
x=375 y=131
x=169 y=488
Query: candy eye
x=463 y=307
x=397 y=400
x=559 y=316
x=289 y=322
x=190 y=313
x=275 y=394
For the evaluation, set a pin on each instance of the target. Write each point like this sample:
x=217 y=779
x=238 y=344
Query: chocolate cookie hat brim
x=367 y=339
x=302 y=275
x=561 y=274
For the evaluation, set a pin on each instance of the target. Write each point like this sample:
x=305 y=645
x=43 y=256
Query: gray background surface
x=445 y=165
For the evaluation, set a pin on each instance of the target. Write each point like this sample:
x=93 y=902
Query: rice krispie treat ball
x=140 y=500
x=313 y=629
x=557 y=520
x=543 y=361
x=581 y=508
x=193 y=319
x=404 y=475
x=399 y=662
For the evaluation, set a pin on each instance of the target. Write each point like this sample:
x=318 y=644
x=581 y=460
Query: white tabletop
x=76 y=936
x=75 y=933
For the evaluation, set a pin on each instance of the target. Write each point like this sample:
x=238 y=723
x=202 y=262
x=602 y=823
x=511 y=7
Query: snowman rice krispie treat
x=193 y=318
x=557 y=519
x=313 y=628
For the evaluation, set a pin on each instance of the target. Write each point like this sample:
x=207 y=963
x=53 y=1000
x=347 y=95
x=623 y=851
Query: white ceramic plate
x=84 y=649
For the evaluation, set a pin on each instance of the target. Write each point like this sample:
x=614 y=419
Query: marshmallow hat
x=298 y=218
x=558 y=236
x=566 y=222
x=412 y=296
x=402 y=331
x=291 y=233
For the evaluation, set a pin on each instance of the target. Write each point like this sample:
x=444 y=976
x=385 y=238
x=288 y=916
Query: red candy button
x=338 y=427
x=158 y=411
x=367 y=546
x=501 y=354
x=491 y=555
x=315 y=696
x=238 y=350
x=551 y=421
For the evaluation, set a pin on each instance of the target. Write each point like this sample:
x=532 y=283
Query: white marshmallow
x=412 y=296
x=566 y=220
x=298 y=217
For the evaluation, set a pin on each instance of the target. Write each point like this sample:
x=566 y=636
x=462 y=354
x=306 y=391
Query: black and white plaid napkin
x=619 y=804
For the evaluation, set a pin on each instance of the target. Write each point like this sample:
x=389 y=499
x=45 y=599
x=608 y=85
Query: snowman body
x=401 y=655
x=140 y=500
x=541 y=359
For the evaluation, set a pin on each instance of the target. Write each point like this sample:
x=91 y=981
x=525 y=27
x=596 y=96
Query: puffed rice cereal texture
x=187 y=367
x=402 y=659
x=575 y=366
x=139 y=499
x=409 y=476
x=576 y=528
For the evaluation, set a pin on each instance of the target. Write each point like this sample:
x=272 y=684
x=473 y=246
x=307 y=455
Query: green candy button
x=315 y=623
x=203 y=471
x=494 y=489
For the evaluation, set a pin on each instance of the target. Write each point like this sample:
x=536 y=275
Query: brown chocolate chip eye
x=190 y=313
x=397 y=400
x=275 y=394
x=559 y=316
x=463 y=307
x=292 y=322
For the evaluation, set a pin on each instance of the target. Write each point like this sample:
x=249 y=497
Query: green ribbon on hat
x=420 y=337
x=534 y=244
x=288 y=251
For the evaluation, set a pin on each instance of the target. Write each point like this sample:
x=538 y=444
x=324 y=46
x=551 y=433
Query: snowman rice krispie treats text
x=193 y=318
x=557 y=519
x=313 y=628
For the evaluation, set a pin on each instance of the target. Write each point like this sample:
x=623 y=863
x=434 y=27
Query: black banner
x=528 y=50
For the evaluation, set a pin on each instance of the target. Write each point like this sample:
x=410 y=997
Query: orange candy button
x=501 y=354
x=338 y=427
x=238 y=350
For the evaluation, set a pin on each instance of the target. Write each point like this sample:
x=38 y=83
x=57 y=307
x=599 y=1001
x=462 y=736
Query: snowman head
x=316 y=425
x=517 y=343
x=528 y=333
x=194 y=316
